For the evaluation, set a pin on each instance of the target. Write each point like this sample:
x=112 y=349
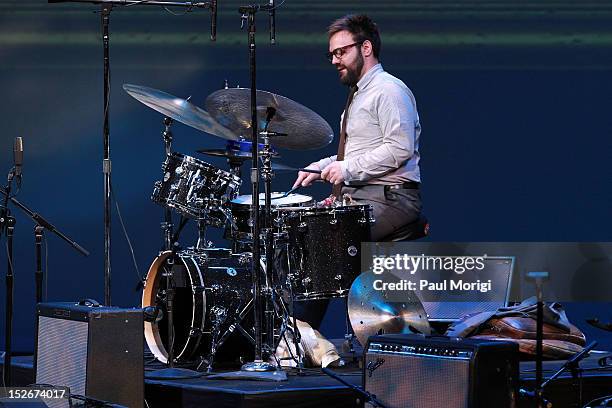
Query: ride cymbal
x=305 y=129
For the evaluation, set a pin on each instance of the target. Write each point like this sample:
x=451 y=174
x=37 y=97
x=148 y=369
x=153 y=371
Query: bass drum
x=212 y=288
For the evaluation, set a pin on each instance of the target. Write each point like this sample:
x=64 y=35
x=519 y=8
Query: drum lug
x=245 y=259
x=195 y=332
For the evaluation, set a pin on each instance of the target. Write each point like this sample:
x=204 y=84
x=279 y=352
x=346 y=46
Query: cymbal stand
x=247 y=14
x=168 y=273
x=267 y=175
x=166 y=226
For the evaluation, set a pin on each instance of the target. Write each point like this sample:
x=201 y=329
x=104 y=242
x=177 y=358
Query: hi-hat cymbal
x=374 y=311
x=305 y=129
x=179 y=109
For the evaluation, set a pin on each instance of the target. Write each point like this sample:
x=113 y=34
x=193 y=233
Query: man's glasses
x=340 y=51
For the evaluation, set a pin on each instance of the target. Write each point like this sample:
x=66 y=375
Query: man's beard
x=352 y=73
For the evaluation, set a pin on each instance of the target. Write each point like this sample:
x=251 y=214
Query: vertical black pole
x=106 y=164
x=38 y=235
x=255 y=187
x=539 y=340
x=10 y=228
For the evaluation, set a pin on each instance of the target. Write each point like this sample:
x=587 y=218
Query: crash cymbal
x=179 y=109
x=374 y=311
x=305 y=128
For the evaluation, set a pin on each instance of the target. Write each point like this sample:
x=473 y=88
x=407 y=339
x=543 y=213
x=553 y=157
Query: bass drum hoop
x=151 y=288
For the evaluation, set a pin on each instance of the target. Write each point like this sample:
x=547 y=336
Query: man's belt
x=407 y=185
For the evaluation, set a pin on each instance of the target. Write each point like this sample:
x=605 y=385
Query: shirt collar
x=367 y=78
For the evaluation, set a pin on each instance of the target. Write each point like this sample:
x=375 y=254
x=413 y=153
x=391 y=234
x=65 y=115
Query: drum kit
x=204 y=294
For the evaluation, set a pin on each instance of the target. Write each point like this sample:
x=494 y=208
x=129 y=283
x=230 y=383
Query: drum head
x=188 y=308
x=292 y=200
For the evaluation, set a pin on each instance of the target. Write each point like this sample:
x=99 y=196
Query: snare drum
x=195 y=188
x=211 y=288
x=241 y=212
x=325 y=249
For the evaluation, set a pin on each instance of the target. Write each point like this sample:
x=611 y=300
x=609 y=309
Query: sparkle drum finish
x=325 y=249
x=241 y=212
x=211 y=288
x=195 y=189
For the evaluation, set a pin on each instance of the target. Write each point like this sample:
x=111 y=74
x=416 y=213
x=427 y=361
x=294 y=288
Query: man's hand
x=305 y=178
x=333 y=173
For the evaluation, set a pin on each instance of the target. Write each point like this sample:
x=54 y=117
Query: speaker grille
x=419 y=381
x=62 y=353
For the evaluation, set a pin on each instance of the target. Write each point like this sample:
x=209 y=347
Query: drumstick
x=288 y=192
x=311 y=171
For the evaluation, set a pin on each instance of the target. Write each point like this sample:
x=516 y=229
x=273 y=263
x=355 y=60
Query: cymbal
x=236 y=150
x=305 y=129
x=373 y=311
x=179 y=109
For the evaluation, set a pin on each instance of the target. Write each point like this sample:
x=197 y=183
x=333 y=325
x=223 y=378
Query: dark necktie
x=337 y=188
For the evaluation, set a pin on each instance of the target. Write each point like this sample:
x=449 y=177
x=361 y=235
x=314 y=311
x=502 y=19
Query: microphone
x=18 y=155
x=213 y=20
x=272 y=23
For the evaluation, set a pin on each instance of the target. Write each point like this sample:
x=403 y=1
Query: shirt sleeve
x=323 y=163
x=397 y=117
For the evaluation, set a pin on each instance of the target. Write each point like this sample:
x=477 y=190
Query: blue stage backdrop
x=514 y=102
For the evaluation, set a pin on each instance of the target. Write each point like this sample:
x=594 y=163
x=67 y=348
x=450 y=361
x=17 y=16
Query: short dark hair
x=361 y=27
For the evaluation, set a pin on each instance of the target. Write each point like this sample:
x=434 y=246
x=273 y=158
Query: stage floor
x=315 y=389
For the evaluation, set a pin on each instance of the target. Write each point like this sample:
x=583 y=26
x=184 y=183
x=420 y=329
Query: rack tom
x=195 y=189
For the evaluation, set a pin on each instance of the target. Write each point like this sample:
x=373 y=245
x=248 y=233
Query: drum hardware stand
x=167 y=226
x=235 y=325
x=105 y=11
x=169 y=245
x=348 y=345
x=247 y=14
x=171 y=372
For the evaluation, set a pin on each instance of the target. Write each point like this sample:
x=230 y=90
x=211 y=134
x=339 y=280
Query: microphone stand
x=106 y=8
x=7 y=223
x=43 y=222
x=368 y=396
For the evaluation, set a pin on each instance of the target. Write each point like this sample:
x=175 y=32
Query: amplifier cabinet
x=415 y=371
x=96 y=351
